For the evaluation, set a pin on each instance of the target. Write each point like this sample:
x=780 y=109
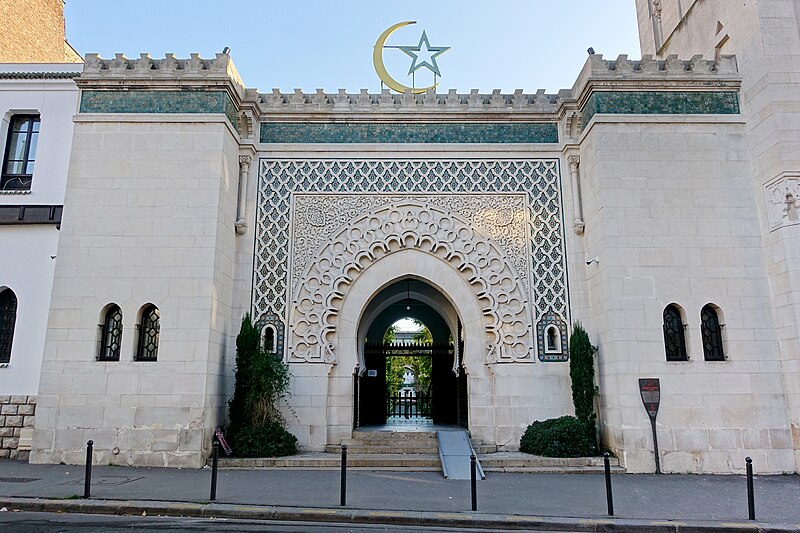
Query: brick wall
x=16 y=425
x=33 y=32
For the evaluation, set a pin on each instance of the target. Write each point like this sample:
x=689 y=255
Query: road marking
x=741 y=525
x=248 y=508
x=318 y=511
x=453 y=516
x=386 y=513
x=668 y=523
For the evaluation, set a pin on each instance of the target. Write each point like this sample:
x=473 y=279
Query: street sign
x=650 y=389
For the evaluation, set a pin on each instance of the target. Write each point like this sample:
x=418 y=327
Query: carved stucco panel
x=782 y=196
x=344 y=251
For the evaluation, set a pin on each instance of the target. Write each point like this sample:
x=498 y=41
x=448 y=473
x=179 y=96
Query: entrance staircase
x=416 y=451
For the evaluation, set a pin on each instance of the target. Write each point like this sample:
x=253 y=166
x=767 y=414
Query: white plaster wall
x=28 y=271
x=671 y=215
x=27 y=266
x=149 y=197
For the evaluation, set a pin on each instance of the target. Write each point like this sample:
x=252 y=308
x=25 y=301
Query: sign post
x=650 y=389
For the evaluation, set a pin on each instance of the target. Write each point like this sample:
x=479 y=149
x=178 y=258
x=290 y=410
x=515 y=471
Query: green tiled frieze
x=514 y=133
x=158 y=102
x=661 y=102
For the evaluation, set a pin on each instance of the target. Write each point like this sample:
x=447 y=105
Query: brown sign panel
x=650 y=389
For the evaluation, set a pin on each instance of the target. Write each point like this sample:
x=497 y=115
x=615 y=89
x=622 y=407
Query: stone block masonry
x=16 y=420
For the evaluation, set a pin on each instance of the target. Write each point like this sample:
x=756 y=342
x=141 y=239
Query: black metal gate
x=405 y=404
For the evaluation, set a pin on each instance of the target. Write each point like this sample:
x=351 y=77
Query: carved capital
x=244 y=163
x=578 y=226
x=574 y=161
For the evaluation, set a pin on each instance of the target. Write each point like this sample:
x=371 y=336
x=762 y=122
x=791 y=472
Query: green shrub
x=559 y=437
x=269 y=440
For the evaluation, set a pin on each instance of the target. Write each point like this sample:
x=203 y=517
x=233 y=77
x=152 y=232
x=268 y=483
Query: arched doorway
x=376 y=401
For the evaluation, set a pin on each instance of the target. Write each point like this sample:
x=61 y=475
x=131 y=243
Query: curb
x=403 y=518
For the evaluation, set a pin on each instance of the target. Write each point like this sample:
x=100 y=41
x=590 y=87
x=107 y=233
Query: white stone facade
x=649 y=183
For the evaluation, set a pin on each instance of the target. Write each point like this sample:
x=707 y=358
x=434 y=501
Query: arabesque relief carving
x=408 y=223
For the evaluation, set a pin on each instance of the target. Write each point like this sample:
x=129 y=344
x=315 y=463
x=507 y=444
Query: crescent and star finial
x=422 y=55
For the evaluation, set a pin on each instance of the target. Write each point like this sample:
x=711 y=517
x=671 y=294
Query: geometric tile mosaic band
x=661 y=102
x=539 y=181
x=158 y=102
x=276 y=132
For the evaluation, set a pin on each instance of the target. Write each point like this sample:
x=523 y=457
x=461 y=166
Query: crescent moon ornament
x=380 y=67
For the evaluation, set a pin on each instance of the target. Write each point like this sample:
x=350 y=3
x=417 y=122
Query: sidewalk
x=409 y=497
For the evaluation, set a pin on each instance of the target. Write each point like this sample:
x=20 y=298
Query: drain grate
x=18 y=479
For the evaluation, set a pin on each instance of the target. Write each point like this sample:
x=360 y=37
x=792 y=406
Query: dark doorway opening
x=434 y=393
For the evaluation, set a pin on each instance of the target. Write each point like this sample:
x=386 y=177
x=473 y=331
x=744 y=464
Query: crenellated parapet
x=670 y=73
x=160 y=72
x=213 y=86
x=426 y=103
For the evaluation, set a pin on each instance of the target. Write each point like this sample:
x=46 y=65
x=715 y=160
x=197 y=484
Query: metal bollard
x=214 y=465
x=343 y=492
x=87 y=476
x=751 y=502
x=473 y=481
x=609 y=495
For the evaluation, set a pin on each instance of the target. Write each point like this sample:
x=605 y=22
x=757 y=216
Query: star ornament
x=424 y=55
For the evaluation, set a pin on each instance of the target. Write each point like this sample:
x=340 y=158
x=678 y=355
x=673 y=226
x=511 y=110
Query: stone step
x=319 y=460
x=394 y=435
x=505 y=460
x=484 y=448
x=360 y=448
x=553 y=469
x=389 y=442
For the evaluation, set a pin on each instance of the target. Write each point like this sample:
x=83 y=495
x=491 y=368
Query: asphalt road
x=74 y=523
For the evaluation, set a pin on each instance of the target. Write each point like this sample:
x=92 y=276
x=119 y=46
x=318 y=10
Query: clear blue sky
x=309 y=44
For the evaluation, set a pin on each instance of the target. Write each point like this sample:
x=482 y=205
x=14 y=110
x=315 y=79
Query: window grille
x=8 y=320
x=711 y=331
x=149 y=329
x=111 y=334
x=20 y=155
x=674 y=335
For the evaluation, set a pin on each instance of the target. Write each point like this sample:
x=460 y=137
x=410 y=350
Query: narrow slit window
x=553 y=340
x=711 y=331
x=149 y=332
x=8 y=321
x=674 y=334
x=111 y=334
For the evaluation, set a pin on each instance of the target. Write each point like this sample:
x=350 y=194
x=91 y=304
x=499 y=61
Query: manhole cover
x=18 y=479
x=107 y=480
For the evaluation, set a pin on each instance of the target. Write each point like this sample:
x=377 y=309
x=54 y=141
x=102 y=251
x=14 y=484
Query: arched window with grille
x=711 y=332
x=674 y=334
x=110 y=334
x=8 y=322
x=149 y=330
x=268 y=338
x=552 y=340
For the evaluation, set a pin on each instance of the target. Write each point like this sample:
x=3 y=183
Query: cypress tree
x=246 y=354
x=581 y=372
